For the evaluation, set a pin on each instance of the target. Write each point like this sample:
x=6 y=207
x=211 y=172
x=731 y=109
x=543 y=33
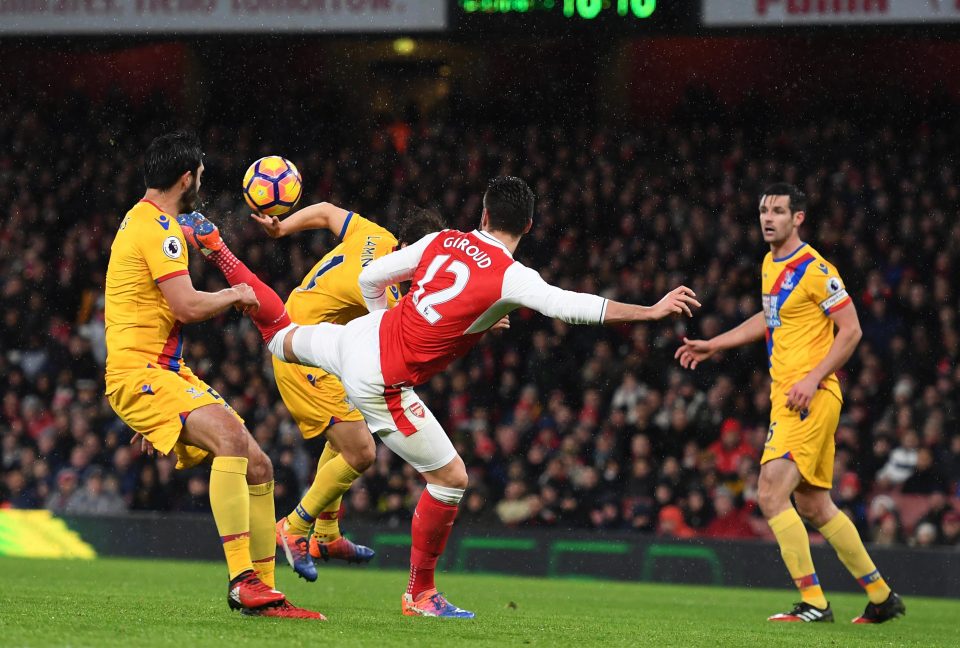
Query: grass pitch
x=111 y=602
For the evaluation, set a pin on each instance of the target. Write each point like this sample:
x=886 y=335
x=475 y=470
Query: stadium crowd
x=560 y=426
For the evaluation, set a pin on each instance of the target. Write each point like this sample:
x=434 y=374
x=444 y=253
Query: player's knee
x=815 y=511
x=806 y=510
x=259 y=467
x=362 y=457
x=772 y=502
x=455 y=474
x=232 y=441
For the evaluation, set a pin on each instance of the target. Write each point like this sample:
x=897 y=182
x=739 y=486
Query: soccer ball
x=272 y=185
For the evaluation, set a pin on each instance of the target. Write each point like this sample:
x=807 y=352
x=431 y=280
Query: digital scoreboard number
x=560 y=17
x=574 y=9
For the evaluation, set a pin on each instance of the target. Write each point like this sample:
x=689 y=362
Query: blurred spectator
x=730 y=521
x=950 y=529
x=475 y=510
x=849 y=499
x=197 y=497
x=730 y=447
x=66 y=486
x=698 y=512
x=927 y=479
x=902 y=462
x=98 y=496
x=925 y=535
x=888 y=531
x=672 y=525
x=515 y=506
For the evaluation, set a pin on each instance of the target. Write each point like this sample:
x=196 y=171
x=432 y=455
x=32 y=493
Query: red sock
x=429 y=531
x=272 y=315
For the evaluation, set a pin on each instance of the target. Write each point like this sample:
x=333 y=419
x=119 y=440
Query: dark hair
x=509 y=202
x=798 y=199
x=416 y=222
x=170 y=156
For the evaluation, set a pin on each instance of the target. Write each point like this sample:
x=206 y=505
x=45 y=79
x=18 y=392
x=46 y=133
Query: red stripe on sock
x=236 y=536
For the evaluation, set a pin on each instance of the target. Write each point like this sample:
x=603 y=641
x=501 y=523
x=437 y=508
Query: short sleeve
x=163 y=247
x=826 y=288
x=352 y=225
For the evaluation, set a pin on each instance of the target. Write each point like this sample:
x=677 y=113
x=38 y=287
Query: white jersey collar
x=493 y=240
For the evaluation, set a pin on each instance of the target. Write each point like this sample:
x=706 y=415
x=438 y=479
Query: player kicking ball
x=463 y=283
x=315 y=399
x=803 y=300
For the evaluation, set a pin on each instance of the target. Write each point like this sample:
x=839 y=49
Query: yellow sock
x=843 y=536
x=230 y=503
x=263 y=533
x=321 y=503
x=795 y=549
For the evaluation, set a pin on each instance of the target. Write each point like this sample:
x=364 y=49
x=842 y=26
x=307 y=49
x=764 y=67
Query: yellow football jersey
x=800 y=290
x=141 y=330
x=330 y=292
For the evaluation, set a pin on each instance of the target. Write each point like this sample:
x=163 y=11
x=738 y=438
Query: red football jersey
x=462 y=284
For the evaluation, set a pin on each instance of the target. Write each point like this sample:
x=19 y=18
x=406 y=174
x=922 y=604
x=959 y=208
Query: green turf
x=110 y=602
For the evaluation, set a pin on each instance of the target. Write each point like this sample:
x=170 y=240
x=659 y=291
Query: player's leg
x=816 y=506
x=263 y=548
x=203 y=235
x=260 y=488
x=349 y=451
x=432 y=523
x=778 y=479
x=429 y=450
x=165 y=407
x=215 y=429
x=814 y=503
x=320 y=505
x=317 y=402
x=218 y=430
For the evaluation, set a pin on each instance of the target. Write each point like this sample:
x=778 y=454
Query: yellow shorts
x=156 y=402
x=807 y=440
x=316 y=400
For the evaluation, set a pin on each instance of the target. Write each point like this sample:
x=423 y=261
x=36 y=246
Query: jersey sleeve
x=826 y=288
x=523 y=286
x=356 y=224
x=391 y=269
x=163 y=248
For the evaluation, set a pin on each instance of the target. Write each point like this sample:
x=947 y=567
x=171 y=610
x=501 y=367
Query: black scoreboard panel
x=557 y=17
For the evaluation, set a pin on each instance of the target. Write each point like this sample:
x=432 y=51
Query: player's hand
x=145 y=446
x=502 y=325
x=247 y=301
x=801 y=395
x=270 y=224
x=679 y=301
x=693 y=352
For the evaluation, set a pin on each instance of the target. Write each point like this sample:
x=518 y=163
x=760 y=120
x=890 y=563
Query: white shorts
x=352 y=353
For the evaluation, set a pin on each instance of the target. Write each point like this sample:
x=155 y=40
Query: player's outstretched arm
x=390 y=269
x=679 y=301
x=693 y=352
x=321 y=215
x=191 y=305
x=523 y=286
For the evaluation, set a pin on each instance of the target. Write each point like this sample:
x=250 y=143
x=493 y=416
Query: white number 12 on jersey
x=425 y=306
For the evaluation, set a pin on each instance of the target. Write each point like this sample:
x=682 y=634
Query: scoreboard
x=584 y=9
x=623 y=17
